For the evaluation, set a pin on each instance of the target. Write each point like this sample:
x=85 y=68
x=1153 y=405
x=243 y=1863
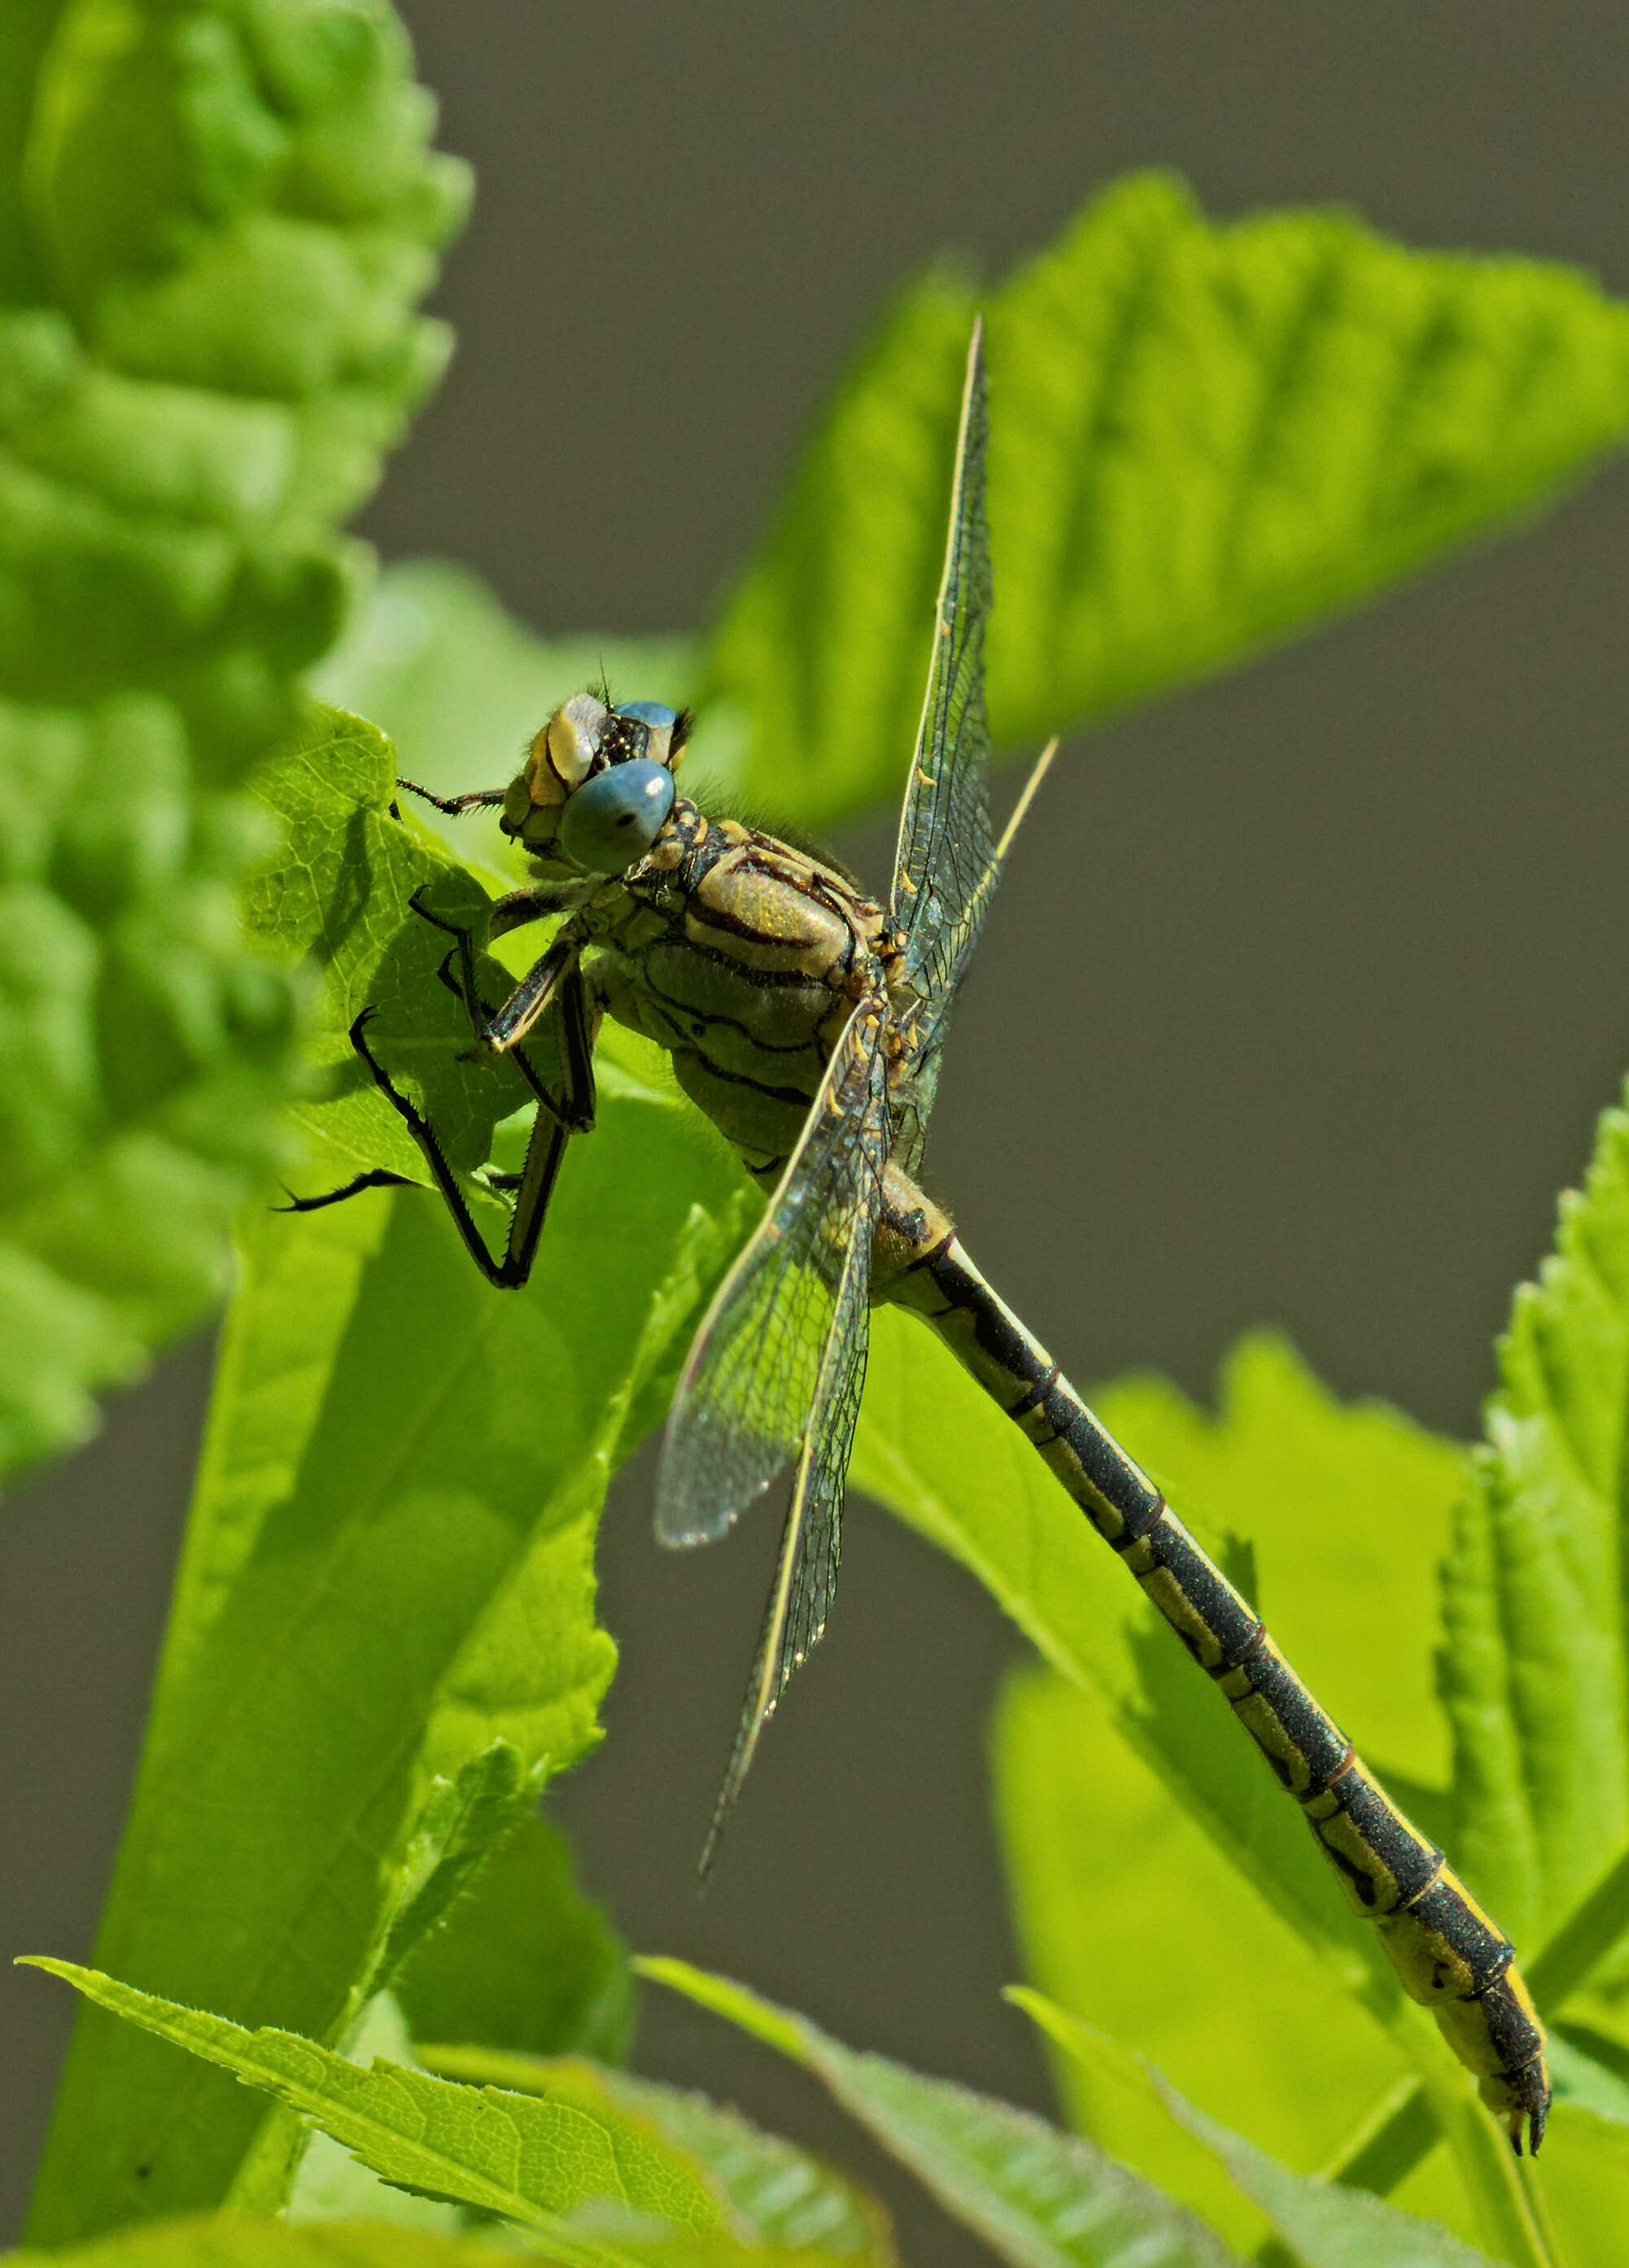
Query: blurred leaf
x=1038 y=2198
x=383 y=1635
x=1328 y=2226
x=524 y=1962
x=216 y=222
x=1590 y=2073
x=1535 y=1672
x=238 y=2240
x=515 y=2154
x=777 y=2193
x=1203 y=440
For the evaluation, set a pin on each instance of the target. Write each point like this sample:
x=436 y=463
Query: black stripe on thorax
x=799 y=1098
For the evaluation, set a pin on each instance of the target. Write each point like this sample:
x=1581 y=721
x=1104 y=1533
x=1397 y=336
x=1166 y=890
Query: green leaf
x=515 y=2154
x=383 y=1635
x=1037 y=2198
x=337 y=891
x=238 y=2239
x=1535 y=1675
x=776 y=2191
x=329 y=2184
x=1203 y=440
x=1590 y=2073
x=1328 y=2227
x=524 y=1962
x=216 y=223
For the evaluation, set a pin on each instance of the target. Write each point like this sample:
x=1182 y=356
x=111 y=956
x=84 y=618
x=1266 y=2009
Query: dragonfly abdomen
x=1448 y=1954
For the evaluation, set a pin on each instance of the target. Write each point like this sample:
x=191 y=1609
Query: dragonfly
x=807 y=1020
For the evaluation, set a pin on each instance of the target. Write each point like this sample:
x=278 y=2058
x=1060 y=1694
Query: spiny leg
x=535 y=1187
x=454 y=806
x=572 y=1102
x=377 y=1177
x=553 y=984
x=463 y=985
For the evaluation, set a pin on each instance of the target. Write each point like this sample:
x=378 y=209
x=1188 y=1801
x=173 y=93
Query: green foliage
x=1328 y=2227
x=1039 y=2198
x=776 y=2191
x=527 y=2158
x=384 y=1643
x=1203 y=440
x=1536 y=1672
x=525 y=1962
x=337 y=892
x=234 y=2240
x=670 y=2181
x=217 y=217
x=383 y=1635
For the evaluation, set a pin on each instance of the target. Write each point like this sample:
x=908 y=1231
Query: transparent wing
x=765 y=1349
x=945 y=867
x=811 y=1544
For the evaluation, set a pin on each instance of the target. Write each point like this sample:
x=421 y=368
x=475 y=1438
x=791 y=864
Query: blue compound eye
x=612 y=820
x=659 y=722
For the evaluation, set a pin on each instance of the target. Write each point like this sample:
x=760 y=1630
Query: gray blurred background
x=1297 y=1006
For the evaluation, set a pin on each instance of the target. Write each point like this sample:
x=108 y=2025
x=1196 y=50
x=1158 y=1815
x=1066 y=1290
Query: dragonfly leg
x=533 y=1189
x=462 y=985
x=378 y=1177
x=516 y=907
x=454 y=806
x=553 y=986
x=576 y=1023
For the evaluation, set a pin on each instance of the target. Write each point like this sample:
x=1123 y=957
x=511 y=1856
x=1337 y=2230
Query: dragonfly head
x=597 y=785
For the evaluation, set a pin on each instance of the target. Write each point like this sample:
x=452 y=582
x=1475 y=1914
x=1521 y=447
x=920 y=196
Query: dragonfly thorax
x=744 y=958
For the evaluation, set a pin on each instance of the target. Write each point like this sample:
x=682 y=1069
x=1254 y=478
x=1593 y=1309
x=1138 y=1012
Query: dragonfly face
x=740 y=956
x=597 y=785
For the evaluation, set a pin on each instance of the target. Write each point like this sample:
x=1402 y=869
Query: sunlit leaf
x=1203 y=440
x=1536 y=1672
x=238 y=2240
x=383 y=1635
x=524 y=1962
x=526 y=2159
x=777 y=2192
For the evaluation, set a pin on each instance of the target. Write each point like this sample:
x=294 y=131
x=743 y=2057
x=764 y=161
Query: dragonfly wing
x=946 y=866
x=806 y=1574
x=771 y=1340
